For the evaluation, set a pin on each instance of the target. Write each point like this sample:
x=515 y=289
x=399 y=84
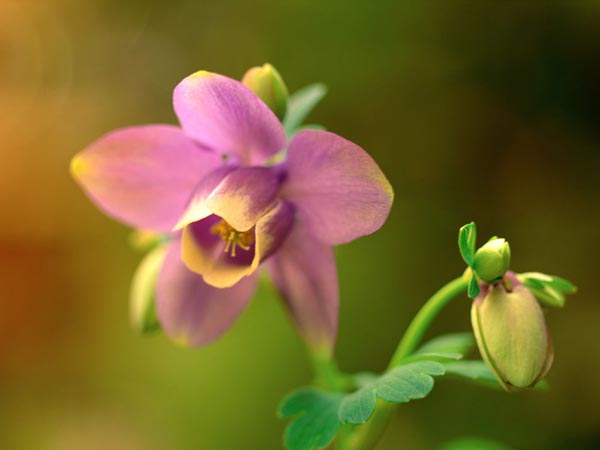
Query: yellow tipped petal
x=78 y=166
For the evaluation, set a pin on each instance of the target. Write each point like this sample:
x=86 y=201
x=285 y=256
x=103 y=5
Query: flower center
x=233 y=237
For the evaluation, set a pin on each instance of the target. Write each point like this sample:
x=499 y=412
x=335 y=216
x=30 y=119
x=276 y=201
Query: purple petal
x=192 y=312
x=304 y=271
x=228 y=117
x=273 y=228
x=197 y=208
x=143 y=176
x=244 y=195
x=340 y=192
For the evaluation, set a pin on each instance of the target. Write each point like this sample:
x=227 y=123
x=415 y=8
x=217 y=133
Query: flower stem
x=327 y=374
x=366 y=436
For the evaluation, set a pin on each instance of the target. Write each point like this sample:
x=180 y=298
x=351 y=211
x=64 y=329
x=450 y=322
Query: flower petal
x=143 y=176
x=228 y=117
x=203 y=252
x=340 y=192
x=192 y=312
x=304 y=271
x=244 y=195
x=197 y=208
x=272 y=230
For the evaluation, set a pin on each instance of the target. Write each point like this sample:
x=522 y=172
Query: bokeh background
x=475 y=110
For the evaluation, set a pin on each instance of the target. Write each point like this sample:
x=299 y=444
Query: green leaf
x=400 y=385
x=473 y=288
x=550 y=290
x=467 y=237
x=479 y=372
x=472 y=370
x=448 y=347
x=460 y=343
x=474 y=444
x=300 y=104
x=317 y=418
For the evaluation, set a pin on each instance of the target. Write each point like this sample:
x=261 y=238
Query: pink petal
x=226 y=116
x=192 y=312
x=197 y=208
x=340 y=192
x=143 y=176
x=304 y=271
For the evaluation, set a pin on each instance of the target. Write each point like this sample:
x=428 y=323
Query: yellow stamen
x=232 y=237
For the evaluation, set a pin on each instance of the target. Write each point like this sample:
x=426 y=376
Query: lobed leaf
x=471 y=370
x=317 y=418
x=460 y=343
x=300 y=104
x=400 y=385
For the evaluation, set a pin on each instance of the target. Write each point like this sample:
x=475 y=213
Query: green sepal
x=473 y=288
x=317 y=418
x=400 y=385
x=300 y=104
x=143 y=292
x=549 y=290
x=467 y=237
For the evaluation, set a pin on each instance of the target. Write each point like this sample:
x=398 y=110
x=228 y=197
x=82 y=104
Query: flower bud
x=268 y=85
x=511 y=334
x=491 y=261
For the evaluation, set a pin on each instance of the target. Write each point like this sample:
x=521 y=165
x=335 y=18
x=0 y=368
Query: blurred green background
x=475 y=110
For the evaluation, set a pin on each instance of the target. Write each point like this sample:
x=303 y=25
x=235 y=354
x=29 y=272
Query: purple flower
x=212 y=185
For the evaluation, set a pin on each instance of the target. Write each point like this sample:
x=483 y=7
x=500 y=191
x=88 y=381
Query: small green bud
x=268 y=85
x=143 y=288
x=511 y=334
x=492 y=260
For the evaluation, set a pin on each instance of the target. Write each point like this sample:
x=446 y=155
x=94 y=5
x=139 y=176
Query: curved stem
x=366 y=436
x=422 y=321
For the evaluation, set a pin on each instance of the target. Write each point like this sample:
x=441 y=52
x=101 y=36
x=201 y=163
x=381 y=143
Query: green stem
x=366 y=436
x=327 y=374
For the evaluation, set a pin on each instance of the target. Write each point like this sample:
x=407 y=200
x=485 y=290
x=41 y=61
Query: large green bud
x=268 y=85
x=492 y=260
x=511 y=334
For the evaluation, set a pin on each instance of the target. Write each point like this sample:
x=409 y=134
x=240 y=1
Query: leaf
x=467 y=237
x=550 y=290
x=448 y=347
x=449 y=343
x=317 y=418
x=473 y=288
x=474 y=444
x=472 y=370
x=400 y=385
x=358 y=406
x=479 y=372
x=300 y=104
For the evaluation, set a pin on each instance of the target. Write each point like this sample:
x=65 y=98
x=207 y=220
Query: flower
x=511 y=333
x=212 y=185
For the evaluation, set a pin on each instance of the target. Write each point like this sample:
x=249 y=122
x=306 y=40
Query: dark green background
x=475 y=110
